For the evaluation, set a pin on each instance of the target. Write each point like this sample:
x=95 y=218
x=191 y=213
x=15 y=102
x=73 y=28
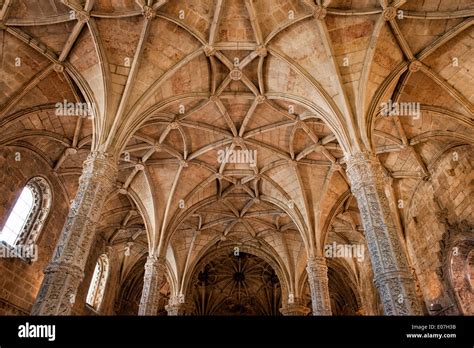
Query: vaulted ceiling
x=172 y=83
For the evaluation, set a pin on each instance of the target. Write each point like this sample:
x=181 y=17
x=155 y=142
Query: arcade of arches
x=322 y=203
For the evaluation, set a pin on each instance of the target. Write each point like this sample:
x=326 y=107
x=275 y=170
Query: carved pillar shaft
x=318 y=283
x=66 y=269
x=392 y=275
x=154 y=276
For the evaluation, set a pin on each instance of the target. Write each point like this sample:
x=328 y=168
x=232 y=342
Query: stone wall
x=20 y=281
x=450 y=188
x=99 y=247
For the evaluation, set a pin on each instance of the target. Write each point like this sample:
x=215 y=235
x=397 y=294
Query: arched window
x=97 y=286
x=28 y=215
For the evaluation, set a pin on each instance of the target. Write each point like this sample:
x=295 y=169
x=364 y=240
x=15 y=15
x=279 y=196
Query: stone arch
x=201 y=268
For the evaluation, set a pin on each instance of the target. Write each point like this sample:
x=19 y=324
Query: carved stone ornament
x=319 y=12
x=155 y=269
x=392 y=275
x=389 y=13
x=415 y=66
x=81 y=16
x=296 y=308
x=318 y=283
x=148 y=12
x=66 y=269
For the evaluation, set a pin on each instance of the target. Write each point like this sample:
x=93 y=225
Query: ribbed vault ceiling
x=174 y=82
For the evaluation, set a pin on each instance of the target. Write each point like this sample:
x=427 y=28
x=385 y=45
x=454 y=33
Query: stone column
x=178 y=309
x=296 y=308
x=318 y=283
x=66 y=269
x=155 y=269
x=392 y=275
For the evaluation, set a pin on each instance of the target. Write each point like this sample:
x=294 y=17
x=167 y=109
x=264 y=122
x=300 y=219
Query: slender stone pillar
x=66 y=269
x=296 y=308
x=318 y=283
x=154 y=277
x=392 y=275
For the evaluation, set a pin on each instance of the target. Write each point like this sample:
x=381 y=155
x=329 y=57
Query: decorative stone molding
x=179 y=309
x=389 y=13
x=318 y=283
x=174 y=125
x=81 y=16
x=42 y=197
x=148 y=12
x=297 y=308
x=239 y=141
x=70 y=151
x=261 y=51
x=66 y=269
x=235 y=74
x=59 y=68
x=139 y=167
x=415 y=66
x=123 y=191
x=319 y=12
x=155 y=269
x=392 y=275
x=260 y=99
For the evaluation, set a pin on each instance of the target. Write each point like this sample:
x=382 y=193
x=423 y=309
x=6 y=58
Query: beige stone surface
x=302 y=87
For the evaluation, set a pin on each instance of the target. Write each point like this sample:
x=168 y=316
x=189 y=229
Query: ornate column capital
x=316 y=266
x=179 y=308
x=155 y=264
x=363 y=168
x=296 y=308
x=100 y=165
